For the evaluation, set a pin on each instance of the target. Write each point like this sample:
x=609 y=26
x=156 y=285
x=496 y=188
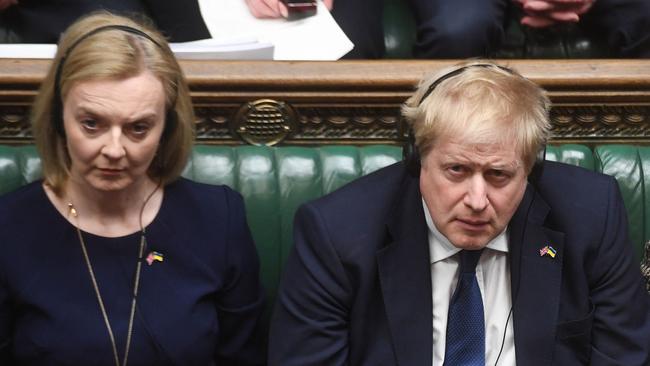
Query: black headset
x=57 y=120
x=57 y=100
x=412 y=160
x=410 y=151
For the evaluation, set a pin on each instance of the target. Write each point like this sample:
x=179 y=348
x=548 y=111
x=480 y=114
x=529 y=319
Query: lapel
x=405 y=277
x=535 y=280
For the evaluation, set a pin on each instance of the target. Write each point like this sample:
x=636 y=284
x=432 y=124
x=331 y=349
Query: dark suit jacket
x=42 y=21
x=357 y=285
x=200 y=306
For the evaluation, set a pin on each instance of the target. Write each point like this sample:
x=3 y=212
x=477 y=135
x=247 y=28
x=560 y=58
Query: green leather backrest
x=18 y=166
x=631 y=167
x=399 y=29
x=276 y=180
x=579 y=155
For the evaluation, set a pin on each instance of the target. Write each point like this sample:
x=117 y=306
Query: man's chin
x=470 y=242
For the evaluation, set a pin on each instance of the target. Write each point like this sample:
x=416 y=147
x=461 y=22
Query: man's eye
x=498 y=175
x=456 y=168
x=456 y=172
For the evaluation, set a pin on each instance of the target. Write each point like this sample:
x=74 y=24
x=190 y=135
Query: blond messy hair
x=113 y=54
x=481 y=105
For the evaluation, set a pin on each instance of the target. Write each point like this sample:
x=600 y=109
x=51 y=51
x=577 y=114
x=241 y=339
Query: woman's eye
x=89 y=124
x=139 y=129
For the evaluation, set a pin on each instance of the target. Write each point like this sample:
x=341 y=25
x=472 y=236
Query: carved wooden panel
x=359 y=102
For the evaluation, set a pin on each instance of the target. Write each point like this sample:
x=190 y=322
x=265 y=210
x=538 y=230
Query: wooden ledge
x=358 y=101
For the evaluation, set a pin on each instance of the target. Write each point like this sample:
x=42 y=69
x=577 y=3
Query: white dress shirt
x=493 y=276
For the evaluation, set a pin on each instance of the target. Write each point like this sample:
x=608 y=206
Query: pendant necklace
x=136 y=282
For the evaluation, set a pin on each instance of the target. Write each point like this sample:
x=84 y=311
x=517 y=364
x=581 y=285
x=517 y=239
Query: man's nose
x=476 y=196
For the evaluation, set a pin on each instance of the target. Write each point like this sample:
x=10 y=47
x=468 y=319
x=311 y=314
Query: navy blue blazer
x=200 y=306
x=42 y=21
x=357 y=285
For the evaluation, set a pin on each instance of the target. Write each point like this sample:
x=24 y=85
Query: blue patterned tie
x=465 y=323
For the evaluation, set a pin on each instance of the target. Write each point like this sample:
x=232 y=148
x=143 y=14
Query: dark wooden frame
x=357 y=102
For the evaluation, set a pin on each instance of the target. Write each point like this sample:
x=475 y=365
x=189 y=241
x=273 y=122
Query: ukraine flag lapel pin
x=155 y=257
x=548 y=251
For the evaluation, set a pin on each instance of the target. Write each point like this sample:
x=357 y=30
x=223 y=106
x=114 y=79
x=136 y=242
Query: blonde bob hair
x=112 y=54
x=483 y=104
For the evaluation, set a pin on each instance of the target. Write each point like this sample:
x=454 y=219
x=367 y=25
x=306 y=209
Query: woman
x=113 y=259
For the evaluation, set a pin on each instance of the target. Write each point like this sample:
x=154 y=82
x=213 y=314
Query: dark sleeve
x=6 y=319
x=241 y=301
x=310 y=320
x=621 y=328
x=180 y=21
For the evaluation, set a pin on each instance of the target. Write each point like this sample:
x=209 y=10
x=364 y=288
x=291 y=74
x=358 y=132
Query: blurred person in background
x=43 y=21
x=475 y=28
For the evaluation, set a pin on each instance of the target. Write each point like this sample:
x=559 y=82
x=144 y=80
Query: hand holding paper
x=263 y=9
x=313 y=38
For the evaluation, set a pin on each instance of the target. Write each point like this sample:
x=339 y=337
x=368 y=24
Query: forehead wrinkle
x=89 y=101
x=101 y=112
x=95 y=104
x=481 y=158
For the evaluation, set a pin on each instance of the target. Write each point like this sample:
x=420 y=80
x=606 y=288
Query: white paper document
x=238 y=35
x=234 y=49
x=27 y=50
x=208 y=49
x=314 y=38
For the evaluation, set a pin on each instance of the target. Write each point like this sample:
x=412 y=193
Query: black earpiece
x=411 y=155
x=538 y=167
x=410 y=152
x=171 y=121
x=57 y=100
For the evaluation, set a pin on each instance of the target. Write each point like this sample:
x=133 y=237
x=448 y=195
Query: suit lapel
x=535 y=279
x=405 y=278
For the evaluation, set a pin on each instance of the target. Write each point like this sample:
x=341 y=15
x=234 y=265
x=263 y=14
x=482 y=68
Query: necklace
x=136 y=282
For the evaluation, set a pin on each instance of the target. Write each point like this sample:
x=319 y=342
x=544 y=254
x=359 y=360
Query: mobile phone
x=299 y=9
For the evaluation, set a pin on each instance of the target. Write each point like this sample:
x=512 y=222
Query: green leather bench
x=276 y=180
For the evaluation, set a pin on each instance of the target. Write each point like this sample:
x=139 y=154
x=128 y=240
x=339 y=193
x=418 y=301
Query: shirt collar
x=440 y=248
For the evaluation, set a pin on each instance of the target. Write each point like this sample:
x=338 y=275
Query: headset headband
x=57 y=109
x=410 y=152
x=124 y=28
x=457 y=72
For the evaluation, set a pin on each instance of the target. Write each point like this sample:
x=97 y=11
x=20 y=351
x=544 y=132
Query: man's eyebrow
x=504 y=166
x=454 y=160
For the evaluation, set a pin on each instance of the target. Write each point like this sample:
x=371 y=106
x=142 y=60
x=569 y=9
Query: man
x=471 y=28
x=40 y=21
x=360 y=20
x=374 y=278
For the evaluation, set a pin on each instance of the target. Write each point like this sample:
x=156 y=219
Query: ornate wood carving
x=595 y=123
x=14 y=123
x=358 y=102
